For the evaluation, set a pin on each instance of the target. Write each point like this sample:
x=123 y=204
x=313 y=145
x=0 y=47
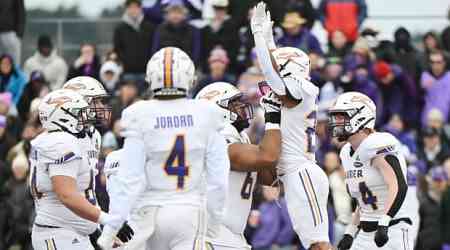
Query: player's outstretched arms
x=260 y=24
x=390 y=168
x=247 y=157
x=350 y=232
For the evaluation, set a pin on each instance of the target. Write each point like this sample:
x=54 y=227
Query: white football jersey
x=298 y=129
x=240 y=189
x=365 y=182
x=111 y=168
x=175 y=134
x=60 y=153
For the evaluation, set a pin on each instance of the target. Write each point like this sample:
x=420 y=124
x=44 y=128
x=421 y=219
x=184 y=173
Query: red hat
x=381 y=69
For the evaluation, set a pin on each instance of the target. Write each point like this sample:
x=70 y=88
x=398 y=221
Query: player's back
x=175 y=134
x=365 y=182
x=298 y=130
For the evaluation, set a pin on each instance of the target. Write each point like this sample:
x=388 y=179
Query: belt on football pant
x=371 y=226
x=45 y=226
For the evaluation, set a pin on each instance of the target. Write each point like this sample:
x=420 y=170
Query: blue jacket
x=275 y=226
x=16 y=84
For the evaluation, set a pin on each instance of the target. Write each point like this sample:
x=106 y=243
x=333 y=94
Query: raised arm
x=261 y=26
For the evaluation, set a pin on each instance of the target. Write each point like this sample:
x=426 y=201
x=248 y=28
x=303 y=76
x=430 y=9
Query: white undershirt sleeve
x=130 y=181
x=217 y=172
x=263 y=54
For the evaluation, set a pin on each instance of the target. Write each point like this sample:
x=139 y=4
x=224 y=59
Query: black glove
x=125 y=233
x=381 y=236
x=346 y=242
x=272 y=108
x=93 y=237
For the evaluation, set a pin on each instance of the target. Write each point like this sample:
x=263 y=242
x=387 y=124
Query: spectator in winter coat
x=273 y=224
x=406 y=54
x=7 y=140
x=133 y=40
x=12 y=79
x=297 y=35
x=47 y=61
x=12 y=26
x=436 y=84
x=305 y=9
x=432 y=43
x=20 y=205
x=218 y=63
x=433 y=152
x=87 y=64
x=109 y=75
x=339 y=45
x=429 y=237
x=175 y=31
x=221 y=31
x=37 y=87
x=399 y=92
x=344 y=15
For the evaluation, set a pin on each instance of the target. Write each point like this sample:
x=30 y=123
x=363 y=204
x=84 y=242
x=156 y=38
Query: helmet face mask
x=352 y=112
x=100 y=111
x=95 y=95
x=339 y=125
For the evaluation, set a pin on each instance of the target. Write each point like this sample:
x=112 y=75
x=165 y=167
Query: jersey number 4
x=176 y=162
x=367 y=195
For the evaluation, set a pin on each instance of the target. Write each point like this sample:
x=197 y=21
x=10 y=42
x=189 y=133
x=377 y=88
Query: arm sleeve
x=265 y=61
x=217 y=171
x=129 y=182
x=68 y=168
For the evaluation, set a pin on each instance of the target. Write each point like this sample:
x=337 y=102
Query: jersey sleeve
x=112 y=163
x=217 y=121
x=62 y=155
x=378 y=144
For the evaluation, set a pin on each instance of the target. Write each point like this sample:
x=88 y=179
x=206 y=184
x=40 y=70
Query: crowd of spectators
x=410 y=84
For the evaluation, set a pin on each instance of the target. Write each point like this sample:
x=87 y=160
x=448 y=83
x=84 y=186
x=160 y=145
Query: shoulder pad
x=378 y=144
x=112 y=163
x=56 y=148
x=130 y=119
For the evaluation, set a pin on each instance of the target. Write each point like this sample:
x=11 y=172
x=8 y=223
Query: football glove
x=381 y=236
x=258 y=18
x=272 y=108
x=346 y=242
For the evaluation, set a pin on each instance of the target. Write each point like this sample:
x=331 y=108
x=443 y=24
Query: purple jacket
x=275 y=225
x=437 y=94
x=305 y=41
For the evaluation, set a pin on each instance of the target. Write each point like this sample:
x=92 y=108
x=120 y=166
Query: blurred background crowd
x=407 y=78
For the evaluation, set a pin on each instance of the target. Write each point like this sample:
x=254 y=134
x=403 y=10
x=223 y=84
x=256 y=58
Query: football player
x=96 y=96
x=171 y=144
x=306 y=185
x=61 y=179
x=245 y=158
x=376 y=176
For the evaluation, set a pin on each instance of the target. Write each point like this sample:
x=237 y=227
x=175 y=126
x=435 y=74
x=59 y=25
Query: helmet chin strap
x=80 y=135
